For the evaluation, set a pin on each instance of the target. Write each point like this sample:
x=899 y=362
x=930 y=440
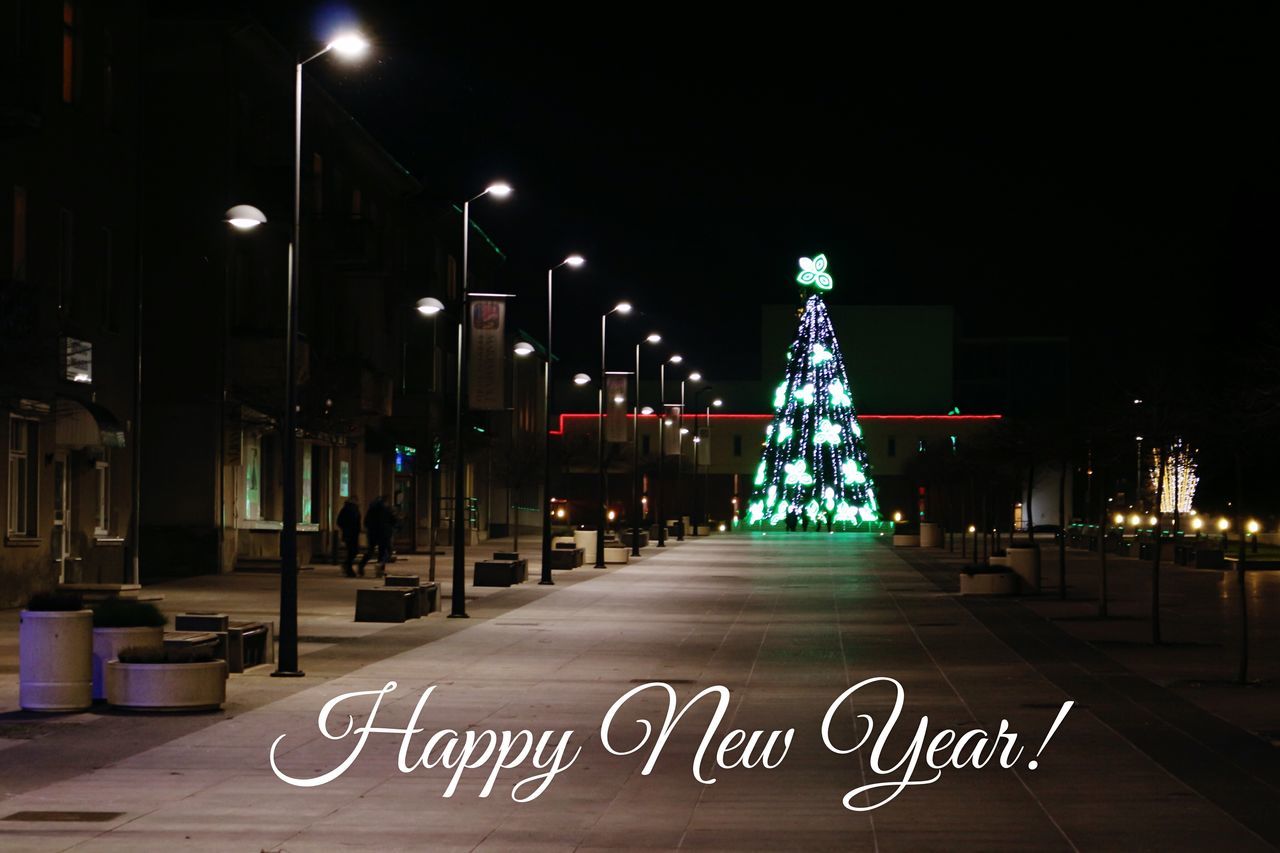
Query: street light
x=623 y=308
x=705 y=501
x=653 y=338
x=663 y=423
x=581 y=379
x=573 y=261
x=458 y=603
x=693 y=376
x=697 y=440
x=244 y=217
x=431 y=307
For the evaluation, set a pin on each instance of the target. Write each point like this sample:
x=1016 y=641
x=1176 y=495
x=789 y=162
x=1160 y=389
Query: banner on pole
x=671 y=432
x=486 y=388
x=616 y=427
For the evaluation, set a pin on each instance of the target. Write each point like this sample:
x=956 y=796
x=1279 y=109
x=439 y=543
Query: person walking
x=378 y=525
x=349 y=525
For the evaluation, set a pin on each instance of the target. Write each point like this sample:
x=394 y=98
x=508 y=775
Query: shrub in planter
x=55 y=647
x=150 y=679
x=119 y=623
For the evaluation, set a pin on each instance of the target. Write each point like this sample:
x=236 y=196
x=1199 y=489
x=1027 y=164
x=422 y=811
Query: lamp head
x=575 y=260
x=647 y=410
x=676 y=359
x=622 y=308
x=350 y=45
x=695 y=376
x=498 y=190
x=717 y=402
x=244 y=217
x=523 y=348
x=430 y=306
x=581 y=379
x=653 y=338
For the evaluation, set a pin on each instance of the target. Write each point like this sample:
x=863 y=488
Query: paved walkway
x=786 y=623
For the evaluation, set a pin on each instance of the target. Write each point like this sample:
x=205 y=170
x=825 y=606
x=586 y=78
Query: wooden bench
x=567 y=556
x=214 y=642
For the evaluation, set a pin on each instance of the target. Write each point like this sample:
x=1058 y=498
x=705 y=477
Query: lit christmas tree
x=814 y=462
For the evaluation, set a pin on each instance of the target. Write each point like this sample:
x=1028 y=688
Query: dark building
x=68 y=286
x=219 y=132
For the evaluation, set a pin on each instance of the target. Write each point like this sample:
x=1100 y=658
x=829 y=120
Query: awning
x=83 y=424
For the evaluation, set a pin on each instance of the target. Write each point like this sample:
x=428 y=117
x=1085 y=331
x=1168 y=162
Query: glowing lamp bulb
x=430 y=306
x=653 y=338
x=1253 y=526
x=581 y=379
x=695 y=376
x=498 y=190
x=523 y=348
x=1119 y=519
x=972 y=529
x=897 y=516
x=676 y=359
x=1223 y=524
x=1197 y=523
x=575 y=260
x=1135 y=520
x=623 y=308
x=349 y=45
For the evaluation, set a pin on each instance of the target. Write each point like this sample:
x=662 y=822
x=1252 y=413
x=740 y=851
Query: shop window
x=24 y=473
x=77 y=361
x=253 y=476
x=102 y=476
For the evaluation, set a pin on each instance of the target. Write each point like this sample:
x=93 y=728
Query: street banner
x=486 y=388
x=704 y=445
x=616 y=427
x=671 y=432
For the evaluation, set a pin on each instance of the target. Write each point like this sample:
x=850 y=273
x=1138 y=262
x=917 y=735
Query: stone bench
x=617 y=554
x=514 y=557
x=428 y=593
x=387 y=604
x=496 y=573
x=567 y=556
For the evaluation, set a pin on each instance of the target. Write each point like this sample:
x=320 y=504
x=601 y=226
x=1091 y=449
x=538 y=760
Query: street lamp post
x=621 y=308
x=572 y=261
x=349 y=45
x=635 y=452
x=662 y=449
x=694 y=376
x=432 y=307
x=458 y=599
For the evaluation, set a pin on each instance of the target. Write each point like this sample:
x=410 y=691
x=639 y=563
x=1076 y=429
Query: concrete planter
x=988 y=583
x=167 y=686
x=55 y=649
x=998 y=560
x=905 y=540
x=616 y=554
x=107 y=643
x=930 y=535
x=586 y=540
x=1025 y=562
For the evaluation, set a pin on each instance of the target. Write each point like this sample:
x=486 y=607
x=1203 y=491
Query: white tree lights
x=814 y=462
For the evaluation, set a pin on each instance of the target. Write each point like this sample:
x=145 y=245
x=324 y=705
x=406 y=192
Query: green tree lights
x=814 y=462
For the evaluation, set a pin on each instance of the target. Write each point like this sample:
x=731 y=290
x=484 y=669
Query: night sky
x=1029 y=170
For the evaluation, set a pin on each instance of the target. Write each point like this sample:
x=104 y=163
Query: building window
x=70 y=51
x=66 y=236
x=24 y=456
x=921 y=445
x=77 y=360
x=737 y=445
x=253 y=476
x=102 y=473
x=893 y=446
x=18 y=265
x=308 y=499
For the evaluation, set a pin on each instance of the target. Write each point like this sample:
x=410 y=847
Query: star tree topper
x=813 y=273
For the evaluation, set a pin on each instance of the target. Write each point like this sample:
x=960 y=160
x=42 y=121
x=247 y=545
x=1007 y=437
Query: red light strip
x=754 y=417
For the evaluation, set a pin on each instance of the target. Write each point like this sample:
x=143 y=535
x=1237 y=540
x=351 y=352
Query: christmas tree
x=814 y=462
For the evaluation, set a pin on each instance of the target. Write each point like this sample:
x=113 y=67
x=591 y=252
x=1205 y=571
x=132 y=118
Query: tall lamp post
x=458 y=597
x=621 y=308
x=571 y=261
x=432 y=307
x=697 y=442
x=694 y=376
x=244 y=217
x=705 y=502
x=662 y=448
x=653 y=338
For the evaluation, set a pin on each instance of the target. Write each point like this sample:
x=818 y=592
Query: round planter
x=1025 y=561
x=586 y=540
x=107 y=643
x=930 y=535
x=167 y=686
x=55 y=653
